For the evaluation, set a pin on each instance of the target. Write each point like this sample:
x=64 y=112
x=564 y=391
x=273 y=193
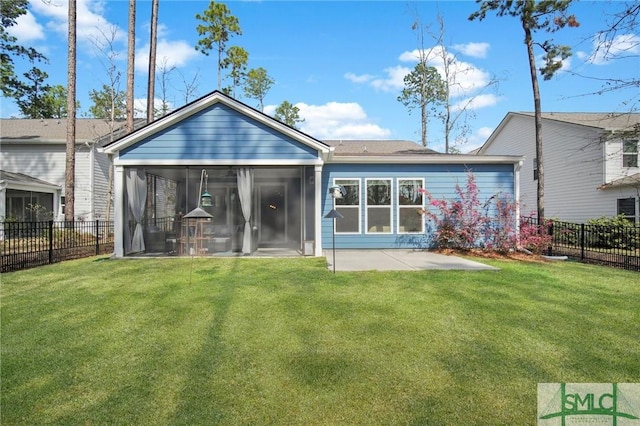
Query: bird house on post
x=337 y=191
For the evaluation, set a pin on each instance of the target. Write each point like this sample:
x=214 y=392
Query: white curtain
x=245 y=192
x=137 y=196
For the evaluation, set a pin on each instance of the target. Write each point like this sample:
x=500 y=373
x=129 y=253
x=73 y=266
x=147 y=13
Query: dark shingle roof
x=55 y=130
x=20 y=178
x=377 y=147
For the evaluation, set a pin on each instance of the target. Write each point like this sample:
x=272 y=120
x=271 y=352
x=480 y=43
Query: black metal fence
x=28 y=244
x=616 y=246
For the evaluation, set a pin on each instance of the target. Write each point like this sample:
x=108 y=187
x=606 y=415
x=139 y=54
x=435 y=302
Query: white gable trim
x=233 y=162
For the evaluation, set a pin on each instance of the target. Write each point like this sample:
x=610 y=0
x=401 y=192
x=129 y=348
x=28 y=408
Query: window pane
x=627 y=207
x=408 y=192
x=410 y=220
x=352 y=186
x=348 y=223
x=379 y=193
x=379 y=219
x=630 y=153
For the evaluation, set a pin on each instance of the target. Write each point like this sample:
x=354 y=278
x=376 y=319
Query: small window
x=379 y=206
x=348 y=206
x=535 y=169
x=630 y=153
x=62 y=204
x=410 y=205
x=627 y=207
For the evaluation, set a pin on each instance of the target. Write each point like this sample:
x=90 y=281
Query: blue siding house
x=219 y=177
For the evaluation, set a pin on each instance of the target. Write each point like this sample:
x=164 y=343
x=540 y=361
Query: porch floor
x=261 y=252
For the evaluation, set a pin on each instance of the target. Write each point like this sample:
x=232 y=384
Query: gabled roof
x=20 y=180
x=51 y=130
x=377 y=147
x=606 y=122
x=206 y=102
x=631 y=180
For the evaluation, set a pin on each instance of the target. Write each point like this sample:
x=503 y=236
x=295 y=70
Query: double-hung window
x=630 y=153
x=348 y=206
x=627 y=207
x=378 y=206
x=410 y=205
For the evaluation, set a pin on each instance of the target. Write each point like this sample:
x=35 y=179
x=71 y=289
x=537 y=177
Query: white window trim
x=367 y=206
x=398 y=206
x=359 y=206
x=636 y=153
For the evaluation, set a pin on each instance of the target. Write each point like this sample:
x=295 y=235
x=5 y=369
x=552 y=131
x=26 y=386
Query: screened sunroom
x=217 y=210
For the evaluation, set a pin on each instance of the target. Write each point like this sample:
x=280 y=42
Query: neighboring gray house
x=32 y=168
x=591 y=164
x=255 y=183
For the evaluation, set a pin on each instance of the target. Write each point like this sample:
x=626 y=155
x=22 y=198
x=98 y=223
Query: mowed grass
x=285 y=341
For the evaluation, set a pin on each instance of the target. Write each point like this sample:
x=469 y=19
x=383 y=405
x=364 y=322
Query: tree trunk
x=70 y=159
x=537 y=120
x=152 y=62
x=131 y=55
x=424 y=116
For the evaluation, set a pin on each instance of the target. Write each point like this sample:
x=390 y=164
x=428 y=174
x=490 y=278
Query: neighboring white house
x=590 y=163
x=33 y=163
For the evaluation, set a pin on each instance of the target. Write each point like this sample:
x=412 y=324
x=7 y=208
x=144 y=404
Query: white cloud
x=464 y=77
x=394 y=80
x=621 y=45
x=27 y=29
x=140 y=106
x=410 y=56
x=364 y=78
x=91 y=25
x=433 y=55
x=477 y=139
x=336 y=120
x=475 y=50
x=476 y=102
x=170 y=53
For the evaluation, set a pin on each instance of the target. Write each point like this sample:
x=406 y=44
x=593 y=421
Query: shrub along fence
x=27 y=244
x=612 y=245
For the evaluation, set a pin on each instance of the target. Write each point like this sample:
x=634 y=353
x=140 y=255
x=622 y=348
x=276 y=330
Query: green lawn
x=285 y=341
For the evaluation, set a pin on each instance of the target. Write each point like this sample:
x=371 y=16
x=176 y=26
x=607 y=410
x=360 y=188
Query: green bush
x=613 y=232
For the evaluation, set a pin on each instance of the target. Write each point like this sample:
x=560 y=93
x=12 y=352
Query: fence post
x=550 y=250
x=582 y=242
x=50 y=241
x=97 y=237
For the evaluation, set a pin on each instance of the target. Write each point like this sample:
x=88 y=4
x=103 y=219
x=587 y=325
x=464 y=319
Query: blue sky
x=342 y=63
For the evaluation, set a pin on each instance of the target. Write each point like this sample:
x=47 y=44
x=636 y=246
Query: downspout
x=92 y=180
x=3 y=206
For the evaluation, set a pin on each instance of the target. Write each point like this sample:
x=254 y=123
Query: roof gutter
x=429 y=159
